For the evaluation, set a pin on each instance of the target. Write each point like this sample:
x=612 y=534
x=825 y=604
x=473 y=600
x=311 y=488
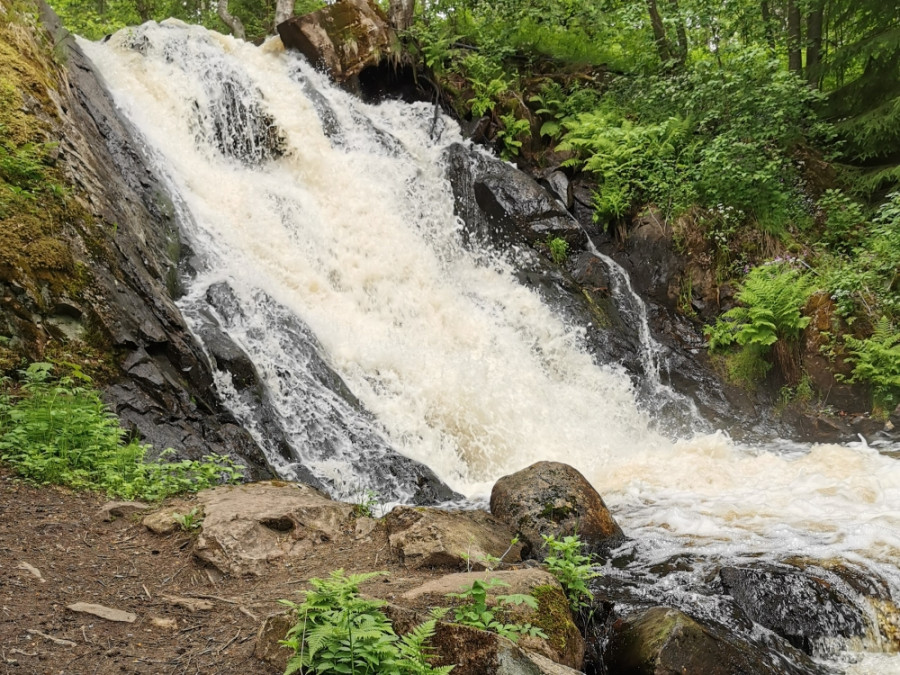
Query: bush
x=59 y=431
x=877 y=361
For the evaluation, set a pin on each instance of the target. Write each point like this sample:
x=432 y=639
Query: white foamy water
x=352 y=230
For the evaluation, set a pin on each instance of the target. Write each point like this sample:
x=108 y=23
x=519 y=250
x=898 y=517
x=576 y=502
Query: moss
x=555 y=513
x=48 y=239
x=553 y=616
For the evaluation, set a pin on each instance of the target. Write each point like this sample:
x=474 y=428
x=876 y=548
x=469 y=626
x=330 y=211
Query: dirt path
x=59 y=535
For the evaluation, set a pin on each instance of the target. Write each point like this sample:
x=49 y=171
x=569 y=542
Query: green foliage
x=571 y=567
x=772 y=298
x=59 y=431
x=337 y=631
x=365 y=502
x=866 y=281
x=877 y=361
x=559 y=249
x=509 y=134
x=189 y=521
x=844 y=220
x=475 y=612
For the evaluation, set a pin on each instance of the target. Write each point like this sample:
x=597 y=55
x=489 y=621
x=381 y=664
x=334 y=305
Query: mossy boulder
x=666 y=641
x=563 y=644
x=551 y=498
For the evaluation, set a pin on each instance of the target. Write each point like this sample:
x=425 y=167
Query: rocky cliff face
x=90 y=277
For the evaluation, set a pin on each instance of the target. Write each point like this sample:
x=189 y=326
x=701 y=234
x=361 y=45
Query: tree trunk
x=234 y=23
x=795 y=56
x=284 y=10
x=659 y=32
x=400 y=13
x=814 y=23
x=768 y=28
x=680 y=33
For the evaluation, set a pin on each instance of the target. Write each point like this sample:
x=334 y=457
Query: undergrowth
x=337 y=631
x=59 y=431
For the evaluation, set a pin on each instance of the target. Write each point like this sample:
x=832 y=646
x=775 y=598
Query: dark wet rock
x=328 y=396
x=801 y=607
x=551 y=498
x=666 y=641
x=501 y=205
x=343 y=38
x=558 y=183
x=162 y=383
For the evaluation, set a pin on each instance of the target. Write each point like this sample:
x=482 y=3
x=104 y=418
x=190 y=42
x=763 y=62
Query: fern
x=415 y=652
x=772 y=298
x=877 y=361
x=337 y=631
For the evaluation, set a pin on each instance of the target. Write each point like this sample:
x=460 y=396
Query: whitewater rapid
x=350 y=227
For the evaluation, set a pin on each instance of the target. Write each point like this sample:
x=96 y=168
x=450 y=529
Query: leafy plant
x=365 y=503
x=337 y=631
x=189 y=521
x=559 y=249
x=60 y=431
x=475 y=612
x=571 y=567
x=509 y=134
x=772 y=298
x=877 y=361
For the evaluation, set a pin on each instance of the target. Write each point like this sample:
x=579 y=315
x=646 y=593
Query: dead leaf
x=33 y=570
x=107 y=613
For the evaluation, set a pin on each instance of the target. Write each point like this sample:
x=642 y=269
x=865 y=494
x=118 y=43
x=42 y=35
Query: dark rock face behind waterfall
x=159 y=379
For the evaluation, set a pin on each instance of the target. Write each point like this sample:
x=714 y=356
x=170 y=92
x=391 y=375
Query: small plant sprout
x=189 y=521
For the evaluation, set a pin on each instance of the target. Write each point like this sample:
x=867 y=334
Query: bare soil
x=124 y=566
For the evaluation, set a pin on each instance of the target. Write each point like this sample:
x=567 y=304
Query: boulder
x=343 y=38
x=666 y=641
x=500 y=205
x=802 y=608
x=246 y=527
x=550 y=498
x=427 y=537
x=563 y=644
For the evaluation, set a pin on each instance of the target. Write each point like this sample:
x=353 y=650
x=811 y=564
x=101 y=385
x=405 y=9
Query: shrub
x=772 y=297
x=59 y=431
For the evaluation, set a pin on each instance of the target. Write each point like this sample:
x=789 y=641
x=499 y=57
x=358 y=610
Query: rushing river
x=307 y=202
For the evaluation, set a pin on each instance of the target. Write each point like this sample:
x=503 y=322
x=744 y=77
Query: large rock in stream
x=804 y=609
x=666 y=641
x=551 y=498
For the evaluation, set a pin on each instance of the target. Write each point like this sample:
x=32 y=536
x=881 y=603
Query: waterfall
x=330 y=224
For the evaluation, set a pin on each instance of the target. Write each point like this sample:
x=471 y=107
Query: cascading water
x=331 y=222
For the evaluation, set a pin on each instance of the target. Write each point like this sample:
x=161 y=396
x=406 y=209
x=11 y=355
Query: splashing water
x=306 y=201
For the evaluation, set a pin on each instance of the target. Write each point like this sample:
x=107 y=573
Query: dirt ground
x=55 y=550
